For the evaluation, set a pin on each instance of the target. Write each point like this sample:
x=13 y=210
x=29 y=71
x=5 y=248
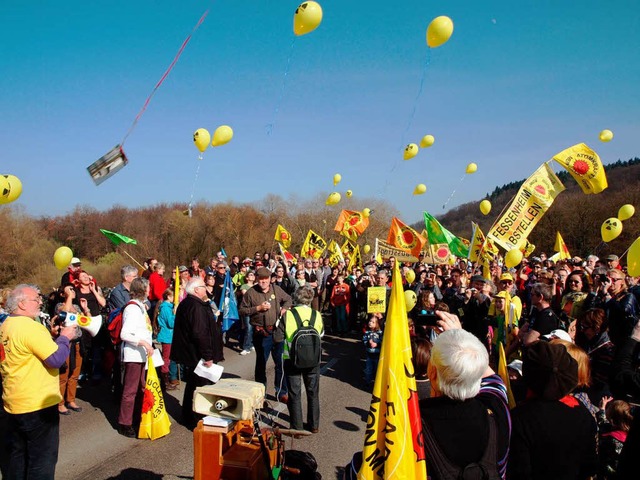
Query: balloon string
x=453 y=193
x=164 y=76
x=418 y=95
x=282 y=89
x=195 y=180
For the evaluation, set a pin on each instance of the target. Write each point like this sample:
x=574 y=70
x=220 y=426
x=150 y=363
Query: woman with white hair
x=466 y=422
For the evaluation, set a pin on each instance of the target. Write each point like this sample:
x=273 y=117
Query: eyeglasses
x=614 y=280
x=575 y=281
x=506 y=281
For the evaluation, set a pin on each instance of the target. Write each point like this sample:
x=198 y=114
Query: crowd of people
x=569 y=330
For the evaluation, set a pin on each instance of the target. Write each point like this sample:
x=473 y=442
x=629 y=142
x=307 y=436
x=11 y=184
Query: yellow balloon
x=201 y=137
x=471 y=168
x=513 y=258
x=366 y=212
x=336 y=179
x=11 y=189
x=626 y=212
x=62 y=257
x=427 y=141
x=633 y=259
x=439 y=31
x=485 y=207
x=610 y=229
x=606 y=136
x=307 y=17
x=222 y=135
x=410 y=151
x=366 y=249
x=420 y=189
x=333 y=198
x=348 y=193
x=410 y=299
x=410 y=276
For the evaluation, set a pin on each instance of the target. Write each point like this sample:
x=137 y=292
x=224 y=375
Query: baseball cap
x=613 y=258
x=75 y=261
x=502 y=294
x=478 y=278
x=506 y=276
x=182 y=268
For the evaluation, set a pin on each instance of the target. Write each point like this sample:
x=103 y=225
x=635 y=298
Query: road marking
x=328 y=365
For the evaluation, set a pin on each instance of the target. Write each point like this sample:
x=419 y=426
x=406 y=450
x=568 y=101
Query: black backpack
x=441 y=468
x=305 y=349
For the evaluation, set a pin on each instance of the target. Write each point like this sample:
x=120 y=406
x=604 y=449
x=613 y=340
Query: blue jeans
x=371 y=366
x=265 y=346
x=35 y=437
x=248 y=333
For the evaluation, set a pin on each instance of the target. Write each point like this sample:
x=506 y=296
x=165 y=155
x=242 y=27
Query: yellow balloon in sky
x=222 y=135
x=420 y=189
x=626 y=212
x=513 y=257
x=366 y=212
x=410 y=299
x=610 y=229
x=11 y=189
x=485 y=207
x=348 y=193
x=333 y=198
x=410 y=151
x=633 y=259
x=201 y=137
x=606 y=136
x=336 y=179
x=471 y=168
x=427 y=141
x=62 y=257
x=366 y=249
x=410 y=276
x=439 y=31
x=307 y=17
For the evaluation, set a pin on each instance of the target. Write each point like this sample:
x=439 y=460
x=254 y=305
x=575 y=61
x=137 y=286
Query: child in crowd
x=372 y=340
x=614 y=421
x=165 y=322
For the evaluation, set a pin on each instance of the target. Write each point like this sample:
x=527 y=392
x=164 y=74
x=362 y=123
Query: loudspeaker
x=229 y=398
x=90 y=324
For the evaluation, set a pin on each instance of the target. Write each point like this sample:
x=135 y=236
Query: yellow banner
x=355 y=259
x=531 y=202
x=585 y=167
x=376 y=300
x=283 y=236
x=335 y=254
x=155 y=421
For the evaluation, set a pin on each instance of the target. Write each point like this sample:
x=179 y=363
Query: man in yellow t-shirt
x=29 y=363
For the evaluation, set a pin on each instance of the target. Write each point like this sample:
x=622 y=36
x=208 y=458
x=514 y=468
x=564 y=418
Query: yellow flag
x=393 y=445
x=335 y=254
x=355 y=259
x=585 y=167
x=176 y=293
x=313 y=245
x=283 y=236
x=504 y=374
x=561 y=247
x=155 y=421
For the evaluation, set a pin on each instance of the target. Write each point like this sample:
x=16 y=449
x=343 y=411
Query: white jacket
x=136 y=327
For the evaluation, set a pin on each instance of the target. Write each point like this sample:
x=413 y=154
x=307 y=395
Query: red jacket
x=157 y=286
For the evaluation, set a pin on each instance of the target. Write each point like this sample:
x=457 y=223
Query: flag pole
x=127 y=254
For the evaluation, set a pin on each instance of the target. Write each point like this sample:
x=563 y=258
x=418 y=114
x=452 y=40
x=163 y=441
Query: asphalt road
x=90 y=447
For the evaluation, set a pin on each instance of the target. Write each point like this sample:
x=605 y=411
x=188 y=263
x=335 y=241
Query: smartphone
x=428 y=319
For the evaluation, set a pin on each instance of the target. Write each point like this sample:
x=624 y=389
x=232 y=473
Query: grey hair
x=592 y=257
x=191 y=285
x=303 y=296
x=17 y=295
x=127 y=270
x=460 y=360
x=138 y=288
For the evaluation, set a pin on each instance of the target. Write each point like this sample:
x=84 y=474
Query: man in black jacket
x=195 y=336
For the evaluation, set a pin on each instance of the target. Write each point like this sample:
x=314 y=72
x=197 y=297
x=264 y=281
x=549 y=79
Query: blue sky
x=516 y=83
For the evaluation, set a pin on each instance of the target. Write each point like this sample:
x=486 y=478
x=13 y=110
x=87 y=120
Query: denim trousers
x=248 y=333
x=34 y=440
x=265 y=346
x=311 y=379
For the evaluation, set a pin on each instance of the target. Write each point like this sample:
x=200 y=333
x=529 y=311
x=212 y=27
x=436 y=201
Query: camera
x=427 y=319
x=603 y=278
